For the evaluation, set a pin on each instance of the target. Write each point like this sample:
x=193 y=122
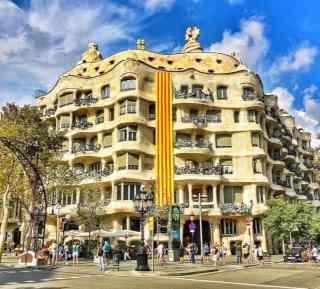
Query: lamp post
x=143 y=205
x=55 y=211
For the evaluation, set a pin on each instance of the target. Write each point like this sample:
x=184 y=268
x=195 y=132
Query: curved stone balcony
x=192 y=147
x=194 y=96
x=94 y=176
x=85 y=101
x=235 y=208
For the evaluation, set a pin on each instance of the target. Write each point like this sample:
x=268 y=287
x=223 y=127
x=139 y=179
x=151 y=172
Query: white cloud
x=154 y=5
x=299 y=60
x=235 y=2
x=285 y=98
x=38 y=44
x=250 y=42
x=307 y=117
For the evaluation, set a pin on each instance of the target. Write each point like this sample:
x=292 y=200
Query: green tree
x=286 y=220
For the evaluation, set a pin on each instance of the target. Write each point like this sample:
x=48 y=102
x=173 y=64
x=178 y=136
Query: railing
x=199 y=121
x=195 y=94
x=203 y=206
x=86 y=148
x=198 y=170
x=95 y=174
x=235 y=208
x=81 y=124
x=180 y=143
x=292 y=152
x=49 y=112
x=252 y=96
x=281 y=182
x=99 y=119
x=64 y=125
x=85 y=101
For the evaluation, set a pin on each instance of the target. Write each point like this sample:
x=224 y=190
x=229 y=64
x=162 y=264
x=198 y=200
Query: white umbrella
x=74 y=233
x=101 y=233
x=123 y=233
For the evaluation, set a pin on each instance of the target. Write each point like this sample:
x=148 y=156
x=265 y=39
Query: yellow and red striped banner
x=164 y=140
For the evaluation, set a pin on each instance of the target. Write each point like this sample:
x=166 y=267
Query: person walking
x=54 y=253
x=66 y=253
x=260 y=255
x=160 y=254
x=126 y=255
x=215 y=254
x=206 y=251
x=107 y=251
x=100 y=258
x=75 y=253
x=238 y=253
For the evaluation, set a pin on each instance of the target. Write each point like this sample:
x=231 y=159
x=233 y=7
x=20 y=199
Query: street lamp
x=143 y=202
x=55 y=211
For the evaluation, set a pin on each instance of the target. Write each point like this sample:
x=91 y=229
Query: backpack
x=100 y=252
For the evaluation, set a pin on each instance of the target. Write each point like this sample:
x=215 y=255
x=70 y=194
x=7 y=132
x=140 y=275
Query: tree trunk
x=4 y=220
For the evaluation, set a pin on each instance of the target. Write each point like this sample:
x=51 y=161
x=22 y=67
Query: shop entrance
x=187 y=236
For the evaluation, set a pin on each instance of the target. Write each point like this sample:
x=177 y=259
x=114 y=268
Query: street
x=281 y=276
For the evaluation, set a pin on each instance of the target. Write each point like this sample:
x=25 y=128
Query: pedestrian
x=66 y=253
x=260 y=254
x=107 y=251
x=215 y=254
x=160 y=254
x=238 y=253
x=126 y=255
x=75 y=253
x=181 y=253
x=54 y=253
x=246 y=252
x=206 y=251
x=100 y=258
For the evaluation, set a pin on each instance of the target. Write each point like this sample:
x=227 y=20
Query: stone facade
x=233 y=145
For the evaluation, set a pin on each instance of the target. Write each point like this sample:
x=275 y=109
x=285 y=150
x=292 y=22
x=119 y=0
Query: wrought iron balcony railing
x=231 y=208
x=65 y=125
x=281 y=182
x=85 y=101
x=199 y=121
x=86 y=148
x=203 y=170
x=81 y=124
x=181 y=143
x=251 y=96
x=49 y=112
x=195 y=94
x=107 y=171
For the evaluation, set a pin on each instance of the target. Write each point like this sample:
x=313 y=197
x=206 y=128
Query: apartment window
x=248 y=93
x=257 y=166
x=174 y=114
x=197 y=89
x=105 y=91
x=223 y=140
x=184 y=89
x=228 y=227
x=66 y=99
x=111 y=114
x=186 y=196
x=236 y=116
x=222 y=92
x=226 y=166
x=122 y=161
x=133 y=161
x=96 y=167
x=152 y=111
x=213 y=116
x=147 y=163
x=128 y=83
x=252 y=116
x=260 y=194
x=127 y=191
x=257 y=226
x=232 y=195
x=316 y=195
x=78 y=168
x=128 y=133
x=255 y=138
x=127 y=106
x=107 y=140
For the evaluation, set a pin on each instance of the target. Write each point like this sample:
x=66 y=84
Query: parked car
x=295 y=255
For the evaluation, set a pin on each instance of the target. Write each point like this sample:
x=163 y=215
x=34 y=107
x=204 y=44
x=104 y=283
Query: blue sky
x=280 y=40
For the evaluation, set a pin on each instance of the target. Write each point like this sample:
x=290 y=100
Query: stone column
x=180 y=194
x=215 y=196
x=216 y=231
x=127 y=223
x=190 y=194
x=264 y=240
x=221 y=194
x=77 y=196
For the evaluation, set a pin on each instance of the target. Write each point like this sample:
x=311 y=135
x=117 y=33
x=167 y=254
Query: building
x=233 y=146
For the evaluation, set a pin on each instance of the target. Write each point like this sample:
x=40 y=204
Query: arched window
x=128 y=83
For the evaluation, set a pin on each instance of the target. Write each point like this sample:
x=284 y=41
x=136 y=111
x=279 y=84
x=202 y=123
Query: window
x=152 y=112
x=223 y=140
x=197 y=89
x=105 y=91
x=128 y=83
x=66 y=99
x=257 y=166
x=213 y=116
x=174 y=114
x=133 y=161
x=232 y=195
x=111 y=114
x=127 y=191
x=228 y=227
x=78 y=168
x=135 y=224
x=257 y=226
x=128 y=133
x=248 y=93
x=255 y=138
x=222 y=92
x=184 y=89
x=226 y=166
x=147 y=163
x=122 y=161
x=236 y=115
x=252 y=116
x=127 y=106
x=260 y=194
x=96 y=167
x=107 y=140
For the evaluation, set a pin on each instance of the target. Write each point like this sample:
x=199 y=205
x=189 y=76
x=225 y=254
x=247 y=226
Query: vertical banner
x=164 y=139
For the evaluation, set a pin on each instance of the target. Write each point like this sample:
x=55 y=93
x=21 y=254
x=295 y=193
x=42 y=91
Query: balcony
x=235 y=208
x=251 y=96
x=107 y=171
x=276 y=156
x=280 y=182
x=85 y=101
x=83 y=124
x=196 y=94
x=84 y=148
x=203 y=170
x=99 y=119
x=184 y=143
x=49 y=112
x=65 y=125
x=199 y=121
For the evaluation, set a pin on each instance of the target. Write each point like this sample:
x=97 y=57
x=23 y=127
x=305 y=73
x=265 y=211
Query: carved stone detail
x=92 y=54
x=191 y=37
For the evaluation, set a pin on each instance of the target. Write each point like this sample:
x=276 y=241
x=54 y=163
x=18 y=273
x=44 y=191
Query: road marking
x=29 y=281
x=235 y=283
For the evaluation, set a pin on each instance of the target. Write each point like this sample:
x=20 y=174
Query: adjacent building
x=234 y=148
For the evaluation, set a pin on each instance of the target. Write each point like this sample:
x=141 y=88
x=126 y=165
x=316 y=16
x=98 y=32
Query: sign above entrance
x=192 y=227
